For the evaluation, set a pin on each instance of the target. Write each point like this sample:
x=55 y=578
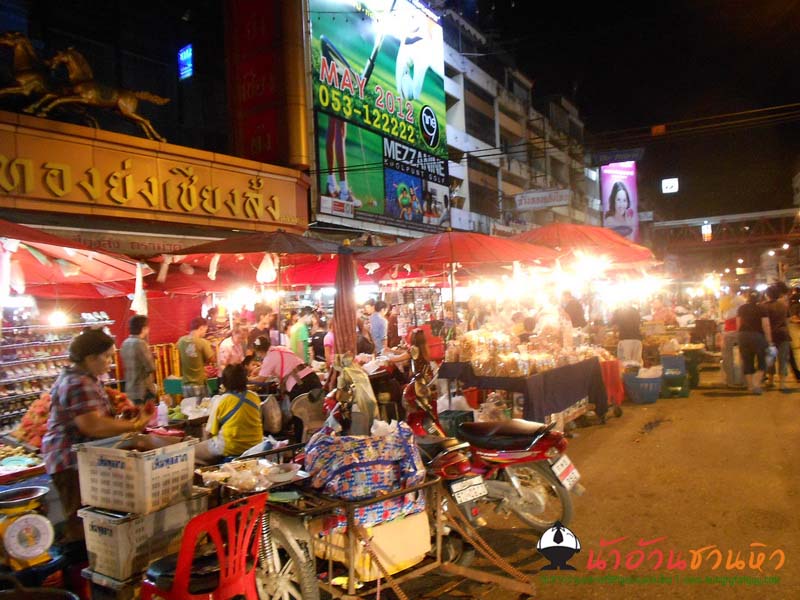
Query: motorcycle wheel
x=537 y=478
x=295 y=575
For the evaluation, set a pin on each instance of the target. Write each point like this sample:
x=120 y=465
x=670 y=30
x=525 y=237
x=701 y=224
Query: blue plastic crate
x=642 y=390
x=674 y=366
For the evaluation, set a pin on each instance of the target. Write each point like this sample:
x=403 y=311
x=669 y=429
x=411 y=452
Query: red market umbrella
x=319 y=272
x=193 y=284
x=257 y=256
x=569 y=238
x=442 y=251
x=273 y=242
x=32 y=260
x=344 y=305
x=463 y=247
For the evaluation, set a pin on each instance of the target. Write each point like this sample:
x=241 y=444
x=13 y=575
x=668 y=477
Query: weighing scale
x=26 y=533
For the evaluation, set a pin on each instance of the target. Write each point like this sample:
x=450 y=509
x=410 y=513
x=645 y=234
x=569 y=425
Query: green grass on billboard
x=364 y=164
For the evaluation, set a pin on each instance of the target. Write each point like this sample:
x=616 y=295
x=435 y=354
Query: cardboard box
x=122 y=545
x=398 y=544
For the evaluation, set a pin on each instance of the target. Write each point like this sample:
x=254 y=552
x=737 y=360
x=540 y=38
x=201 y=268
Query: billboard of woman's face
x=620 y=199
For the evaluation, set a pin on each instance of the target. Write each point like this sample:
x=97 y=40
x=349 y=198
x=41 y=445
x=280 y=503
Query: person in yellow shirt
x=236 y=422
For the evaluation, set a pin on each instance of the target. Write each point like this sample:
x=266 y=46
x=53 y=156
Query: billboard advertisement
x=379 y=108
x=620 y=199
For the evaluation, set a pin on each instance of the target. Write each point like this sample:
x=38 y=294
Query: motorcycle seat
x=515 y=434
x=430 y=446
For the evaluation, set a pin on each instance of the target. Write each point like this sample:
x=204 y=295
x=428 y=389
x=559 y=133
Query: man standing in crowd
x=299 y=336
x=231 y=349
x=264 y=316
x=137 y=360
x=368 y=309
x=574 y=309
x=195 y=352
x=379 y=326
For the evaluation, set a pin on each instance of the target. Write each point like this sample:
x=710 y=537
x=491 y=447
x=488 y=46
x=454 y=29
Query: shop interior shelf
x=36 y=359
x=33 y=344
x=59 y=328
x=19 y=396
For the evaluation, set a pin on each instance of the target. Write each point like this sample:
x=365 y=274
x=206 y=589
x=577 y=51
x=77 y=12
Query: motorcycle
x=522 y=463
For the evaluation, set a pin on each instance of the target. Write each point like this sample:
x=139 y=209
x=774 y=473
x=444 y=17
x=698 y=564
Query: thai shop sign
x=540 y=199
x=97 y=174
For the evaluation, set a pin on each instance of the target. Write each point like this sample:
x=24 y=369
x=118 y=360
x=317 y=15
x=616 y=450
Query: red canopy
x=58 y=264
x=464 y=247
x=319 y=272
x=568 y=237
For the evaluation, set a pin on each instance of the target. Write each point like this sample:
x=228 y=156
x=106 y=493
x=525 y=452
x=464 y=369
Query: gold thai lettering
x=16 y=175
x=210 y=199
x=120 y=183
x=233 y=203
x=152 y=193
x=169 y=203
x=184 y=193
x=58 y=178
x=274 y=207
x=91 y=185
x=253 y=200
x=187 y=196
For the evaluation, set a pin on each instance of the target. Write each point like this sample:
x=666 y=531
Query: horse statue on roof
x=30 y=72
x=31 y=75
x=84 y=90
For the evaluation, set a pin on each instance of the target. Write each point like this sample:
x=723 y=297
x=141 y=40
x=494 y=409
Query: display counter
x=546 y=393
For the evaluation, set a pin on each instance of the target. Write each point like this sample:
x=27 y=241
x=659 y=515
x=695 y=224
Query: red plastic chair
x=234 y=531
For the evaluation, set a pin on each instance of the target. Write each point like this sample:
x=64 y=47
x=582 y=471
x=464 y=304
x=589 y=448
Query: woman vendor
x=79 y=412
x=235 y=425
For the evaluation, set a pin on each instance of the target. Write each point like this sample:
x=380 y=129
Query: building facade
x=516 y=161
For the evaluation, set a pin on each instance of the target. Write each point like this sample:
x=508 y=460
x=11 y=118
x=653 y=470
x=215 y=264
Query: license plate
x=465 y=490
x=565 y=471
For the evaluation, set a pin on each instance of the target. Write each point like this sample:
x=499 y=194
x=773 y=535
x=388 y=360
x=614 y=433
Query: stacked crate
x=140 y=496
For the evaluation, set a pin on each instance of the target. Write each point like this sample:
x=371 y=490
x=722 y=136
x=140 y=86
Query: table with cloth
x=545 y=393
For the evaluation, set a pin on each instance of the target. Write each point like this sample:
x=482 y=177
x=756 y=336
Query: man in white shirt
x=231 y=349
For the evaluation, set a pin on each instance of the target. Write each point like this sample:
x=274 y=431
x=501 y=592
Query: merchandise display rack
x=31 y=357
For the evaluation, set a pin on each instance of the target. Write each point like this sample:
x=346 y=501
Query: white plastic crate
x=121 y=545
x=116 y=476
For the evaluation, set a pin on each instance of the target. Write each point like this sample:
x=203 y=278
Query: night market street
x=717 y=469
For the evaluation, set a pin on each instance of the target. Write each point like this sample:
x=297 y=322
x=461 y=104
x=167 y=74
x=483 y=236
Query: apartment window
x=478 y=125
x=576 y=131
x=482 y=167
x=483 y=200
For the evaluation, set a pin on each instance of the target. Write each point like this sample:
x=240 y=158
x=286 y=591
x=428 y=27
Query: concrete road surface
x=713 y=478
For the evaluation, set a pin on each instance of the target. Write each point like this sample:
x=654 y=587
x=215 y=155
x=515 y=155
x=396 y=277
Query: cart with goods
x=313 y=538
